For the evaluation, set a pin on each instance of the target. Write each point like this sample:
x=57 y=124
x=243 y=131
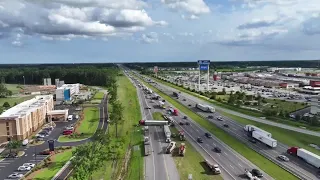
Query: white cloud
x=191 y=17
x=195 y=7
x=186 y=34
x=151 y=37
x=113 y=4
x=17 y=42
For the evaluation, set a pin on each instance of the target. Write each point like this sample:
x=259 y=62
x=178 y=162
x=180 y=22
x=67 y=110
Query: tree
x=6 y=105
x=12 y=145
x=116 y=115
x=224 y=91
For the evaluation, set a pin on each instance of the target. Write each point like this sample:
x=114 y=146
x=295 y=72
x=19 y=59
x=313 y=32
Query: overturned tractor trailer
x=167 y=133
x=205 y=108
x=152 y=123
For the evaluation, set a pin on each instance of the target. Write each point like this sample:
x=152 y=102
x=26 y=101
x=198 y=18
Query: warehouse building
x=66 y=91
x=20 y=121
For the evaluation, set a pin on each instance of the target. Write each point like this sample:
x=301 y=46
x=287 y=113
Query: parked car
x=40 y=136
x=199 y=140
x=283 y=158
x=185 y=117
x=257 y=173
x=24 y=168
x=15 y=176
x=47 y=152
x=67 y=132
x=29 y=164
x=25 y=142
x=208 y=135
x=68 y=128
x=77 y=116
x=148 y=107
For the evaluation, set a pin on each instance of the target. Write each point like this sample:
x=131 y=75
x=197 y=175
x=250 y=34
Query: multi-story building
x=66 y=91
x=20 y=121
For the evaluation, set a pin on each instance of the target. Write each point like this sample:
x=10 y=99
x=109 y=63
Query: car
x=217 y=149
x=208 y=135
x=219 y=118
x=46 y=152
x=40 y=136
x=25 y=142
x=210 y=117
x=29 y=164
x=283 y=158
x=78 y=109
x=189 y=104
x=226 y=125
x=24 y=168
x=12 y=155
x=68 y=128
x=77 y=116
x=67 y=132
x=185 y=117
x=252 y=140
x=199 y=140
x=181 y=123
x=216 y=169
x=148 y=107
x=15 y=176
x=184 y=99
x=257 y=173
x=187 y=123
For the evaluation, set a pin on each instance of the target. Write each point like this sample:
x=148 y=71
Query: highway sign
x=204 y=67
x=204 y=62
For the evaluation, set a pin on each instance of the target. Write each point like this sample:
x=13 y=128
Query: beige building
x=20 y=121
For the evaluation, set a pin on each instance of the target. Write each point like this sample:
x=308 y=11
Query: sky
x=87 y=31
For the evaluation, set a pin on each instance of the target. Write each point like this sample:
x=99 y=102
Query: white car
x=40 y=136
x=15 y=176
x=216 y=169
x=283 y=158
x=68 y=128
x=24 y=168
x=77 y=116
x=219 y=118
x=29 y=164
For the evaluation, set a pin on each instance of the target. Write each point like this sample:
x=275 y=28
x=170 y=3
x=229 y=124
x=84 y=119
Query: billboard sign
x=203 y=67
x=155 y=69
x=203 y=62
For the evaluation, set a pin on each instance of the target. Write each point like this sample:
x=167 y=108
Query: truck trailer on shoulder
x=250 y=128
x=262 y=137
x=170 y=147
x=147 y=147
x=205 y=108
x=307 y=156
x=167 y=133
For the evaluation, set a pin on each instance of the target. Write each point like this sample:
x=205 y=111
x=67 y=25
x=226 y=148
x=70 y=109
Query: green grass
x=13 y=100
x=88 y=125
x=269 y=167
x=240 y=110
x=58 y=161
x=98 y=95
x=132 y=135
x=192 y=162
x=15 y=88
x=288 y=106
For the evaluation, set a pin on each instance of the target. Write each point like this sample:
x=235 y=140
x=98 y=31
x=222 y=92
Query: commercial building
x=66 y=91
x=20 y=121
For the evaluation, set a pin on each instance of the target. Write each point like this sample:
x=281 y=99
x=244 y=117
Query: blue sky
x=75 y=31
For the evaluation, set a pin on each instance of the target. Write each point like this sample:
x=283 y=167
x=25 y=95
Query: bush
x=247 y=103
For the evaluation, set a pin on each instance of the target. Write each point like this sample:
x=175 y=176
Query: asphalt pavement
x=235 y=129
x=158 y=165
x=10 y=165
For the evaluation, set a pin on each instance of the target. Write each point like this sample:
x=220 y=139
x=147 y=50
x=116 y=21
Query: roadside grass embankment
x=266 y=165
x=240 y=110
x=98 y=96
x=128 y=132
x=192 y=162
x=87 y=126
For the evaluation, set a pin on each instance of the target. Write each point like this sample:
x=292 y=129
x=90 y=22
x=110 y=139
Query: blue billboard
x=203 y=67
x=203 y=62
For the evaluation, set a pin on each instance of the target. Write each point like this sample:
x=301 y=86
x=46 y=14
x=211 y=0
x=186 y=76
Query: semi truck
x=175 y=94
x=162 y=105
x=260 y=136
x=205 y=108
x=147 y=147
x=182 y=149
x=152 y=123
x=213 y=167
x=250 y=128
x=167 y=133
x=170 y=147
x=173 y=111
x=307 y=156
x=156 y=96
x=182 y=136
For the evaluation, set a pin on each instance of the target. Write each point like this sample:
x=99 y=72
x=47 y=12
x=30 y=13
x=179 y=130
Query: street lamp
x=24 y=81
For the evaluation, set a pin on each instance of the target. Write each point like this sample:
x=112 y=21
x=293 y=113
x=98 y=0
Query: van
x=25 y=142
x=70 y=117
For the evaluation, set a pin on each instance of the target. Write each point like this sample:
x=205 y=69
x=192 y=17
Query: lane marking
x=239 y=165
x=231 y=166
x=225 y=153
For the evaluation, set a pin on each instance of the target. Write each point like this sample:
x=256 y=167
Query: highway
x=158 y=165
x=295 y=165
x=231 y=163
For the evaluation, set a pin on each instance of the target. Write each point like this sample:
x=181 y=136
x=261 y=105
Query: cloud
x=112 y=4
x=258 y=24
x=52 y=19
x=312 y=26
x=186 y=34
x=194 y=7
x=149 y=38
x=191 y=17
x=17 y=42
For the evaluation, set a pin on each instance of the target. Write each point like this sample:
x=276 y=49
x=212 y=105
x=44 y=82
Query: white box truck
x=264 y=139
x=254 y=128
x=205 y=108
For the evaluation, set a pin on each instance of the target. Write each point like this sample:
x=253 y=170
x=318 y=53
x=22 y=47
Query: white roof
x=26 y=107
x=57 y=112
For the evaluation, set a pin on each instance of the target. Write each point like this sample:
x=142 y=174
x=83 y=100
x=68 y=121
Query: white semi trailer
x=260 y=136
x=250 y=128
x=167 y=133
x=205 y=108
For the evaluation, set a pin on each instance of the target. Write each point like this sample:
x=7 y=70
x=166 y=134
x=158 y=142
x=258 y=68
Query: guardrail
x=62 y=169
x=270 y=159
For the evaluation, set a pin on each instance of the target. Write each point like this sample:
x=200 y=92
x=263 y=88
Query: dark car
x=189 y=104
x=187 y=123
x=256 y=172
x=199 y=140
x=226 y=125
x=185 y=117
x=12 y=155
x=181 y=123
x=148 y=107
x=210 y=117
x=163 y=100
x=208 y=135
x=184 y=99
x=217 y=149
x=252 y=140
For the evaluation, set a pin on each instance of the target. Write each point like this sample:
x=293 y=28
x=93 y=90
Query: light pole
x=24 y=81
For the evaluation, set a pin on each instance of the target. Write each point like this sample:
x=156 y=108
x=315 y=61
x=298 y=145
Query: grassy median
x=127 y=95
x=269 y=167
x=87 y=127
x=192 y=162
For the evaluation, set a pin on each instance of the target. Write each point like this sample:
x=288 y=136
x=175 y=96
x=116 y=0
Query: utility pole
x=24 y=81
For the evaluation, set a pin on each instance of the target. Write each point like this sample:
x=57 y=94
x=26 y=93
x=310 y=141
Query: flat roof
x=55 y=112
x=26 y=107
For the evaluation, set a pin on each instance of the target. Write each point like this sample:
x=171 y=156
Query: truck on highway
x=182 y=149
x=147 y=146
x=182 y=136
x=156 y=96
x=249 y=175
x=213 y=167
x=205 y=108
x=173 y=111
x=162 y=105
x=170 y=147
x=149 y=91
x=175 y=94
x=250 y=128
x=167 y=133
x=262 y=137
x=307 y=156
x=152 y=123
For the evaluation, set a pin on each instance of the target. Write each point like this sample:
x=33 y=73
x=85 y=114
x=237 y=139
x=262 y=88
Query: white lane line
x=214 y=144
x=218 y=154
x=239 y=165
x=2 y=166
x=225 y=153
x=231 y=166
x=4 y=163
x=197 y=130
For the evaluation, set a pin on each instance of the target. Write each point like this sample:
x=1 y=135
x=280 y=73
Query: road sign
x=203 y=67
x=204 y=62
x=155 y=69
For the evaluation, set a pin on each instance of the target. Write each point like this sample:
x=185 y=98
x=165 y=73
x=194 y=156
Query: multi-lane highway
x=296 y=165
x=232 y=163
x=158 y=165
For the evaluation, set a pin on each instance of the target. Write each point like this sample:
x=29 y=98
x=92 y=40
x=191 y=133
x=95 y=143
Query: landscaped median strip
x=267 y=166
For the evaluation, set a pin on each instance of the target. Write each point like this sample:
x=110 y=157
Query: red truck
x=174 y=111
x=307 y=156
